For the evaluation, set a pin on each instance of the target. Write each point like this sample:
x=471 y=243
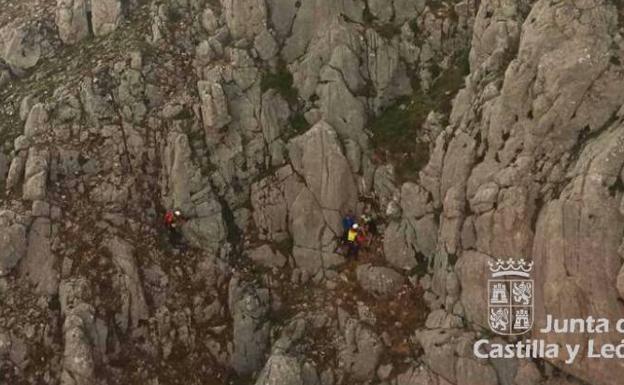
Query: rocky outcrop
x=379 y=281
x=264 y=256
x=280 y=370
x=329 y=191
x=448 y=352
x=249 y=309
x=186 y=189
x=78 y=359
x=13 y=241
x=36 y=174
x=20 y=46
x=360 y=350
x=106 y=16
x=71 y=20
x=264 y=122
x=133 y=307
x=39 y=263
x=511 y=178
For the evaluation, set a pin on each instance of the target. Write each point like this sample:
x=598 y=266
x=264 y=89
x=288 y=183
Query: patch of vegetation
x=281 y=81
x=463 y=61
x=285 y=246
x=174 y=15
x=436 y=5
x=299 y=124
x=396 y=131
x=413 y=24
x=422 y=266
x=388 y=30
x=620 y=7
x=368 y=16
x=452 y=259
x=435 y=70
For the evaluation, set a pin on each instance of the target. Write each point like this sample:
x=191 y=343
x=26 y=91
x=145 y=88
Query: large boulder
x=378 y=280
x=36 y=174
x=280 y=370
x=400 y=245
x=360 y=350
x=330 y=191
x=245 y=18
x=249 y=308
x=318 y=157
x=20 y=46
x=134 y=306
x=78 y=333
x=105 y=16
x=13 y=241
x=71 y=20
x=39 y=264
x=271 y=200
x=214 y=105
x=265 y=256
x=473 y=272
x=186 y=189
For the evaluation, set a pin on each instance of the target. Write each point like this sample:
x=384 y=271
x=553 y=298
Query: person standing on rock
x=347 y=222
x=352 y=241
x=173 y=220
x=369 y=226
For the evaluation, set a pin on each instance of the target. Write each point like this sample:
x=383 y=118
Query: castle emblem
x=510 y=297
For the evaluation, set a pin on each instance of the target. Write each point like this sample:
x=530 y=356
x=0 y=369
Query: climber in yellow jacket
x=352 y=241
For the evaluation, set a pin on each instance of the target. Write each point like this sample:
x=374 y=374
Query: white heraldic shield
x=510 y=297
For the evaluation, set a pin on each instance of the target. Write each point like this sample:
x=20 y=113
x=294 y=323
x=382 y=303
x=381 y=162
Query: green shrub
x=396 y=131
x=282 y=82
x=299 y=124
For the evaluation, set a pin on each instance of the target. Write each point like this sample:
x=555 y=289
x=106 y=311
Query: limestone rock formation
x=14 y=241
x=71 y=20
x=467 y=130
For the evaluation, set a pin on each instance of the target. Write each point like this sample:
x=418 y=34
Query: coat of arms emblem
x=510 y=297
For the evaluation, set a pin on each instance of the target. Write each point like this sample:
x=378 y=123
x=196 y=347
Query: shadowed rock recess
x=474 y=130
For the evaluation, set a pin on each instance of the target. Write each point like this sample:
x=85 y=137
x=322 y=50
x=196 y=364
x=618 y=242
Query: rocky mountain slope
x=474 y=129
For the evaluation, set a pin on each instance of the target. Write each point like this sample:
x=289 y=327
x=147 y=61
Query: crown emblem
x=510 y=267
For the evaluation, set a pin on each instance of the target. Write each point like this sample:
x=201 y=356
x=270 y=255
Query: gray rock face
x=399 y=245
x=280 y=370
x=71 y=20
x=274 y=121
x=106 y=15
x=515 y=196
x=134 y=307
x=214 y=105
x=13 y=241
x=4 y=167
x=329 y=191
x=264 y=256
x=36 y=174
x=472 y=269
x=271 y=199
x=186 y=189
x=249 y=308
x=39 y=264
x=245 y=18
x=448 y=353
x=379 y=281
x=19 y=47
x=360 y=351
x=527 y=164
x=78 y=358
x=266 y=45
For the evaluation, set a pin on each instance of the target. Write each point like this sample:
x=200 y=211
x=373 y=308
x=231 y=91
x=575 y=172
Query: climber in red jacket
x=173 y=221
